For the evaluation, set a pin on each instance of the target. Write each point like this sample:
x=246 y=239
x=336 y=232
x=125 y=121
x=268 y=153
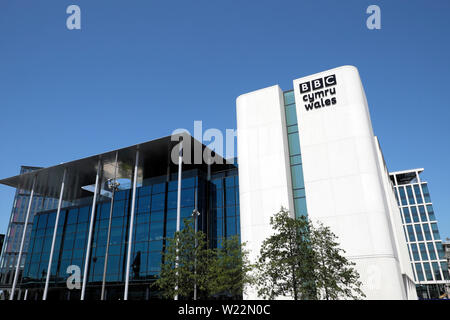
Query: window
x=426 y=193
x=423 y=214
x=401 y=190
x=419 y=272
x=419 y=233
x=410 y=195
x=426 y=230
x=423 y=251
x=436 y=271
x=431 y=250
x=406 y=215
x=415 y=252
x=414 y=214
x=431 y=212
x=436 y=235
x=411 y=233
x=417 y=193
x=428 y=273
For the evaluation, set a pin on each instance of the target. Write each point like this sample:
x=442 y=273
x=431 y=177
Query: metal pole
x=130 y=235
x=180 y=165
x=195 y=213
x=114 y=187
x=91 y=228
x=22 y=242
x=47 y=280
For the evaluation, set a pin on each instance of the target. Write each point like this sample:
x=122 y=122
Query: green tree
x=285 y=265
x=334 y=274
x=303 y=261
x=229 y=269
x=185 y=263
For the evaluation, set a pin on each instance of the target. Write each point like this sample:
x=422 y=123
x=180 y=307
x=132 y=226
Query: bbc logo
x=318 y=84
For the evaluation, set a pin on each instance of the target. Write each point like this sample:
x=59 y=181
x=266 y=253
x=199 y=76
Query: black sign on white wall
x=319 y=93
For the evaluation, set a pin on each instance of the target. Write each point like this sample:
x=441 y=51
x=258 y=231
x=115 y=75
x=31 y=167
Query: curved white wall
x=343 y=183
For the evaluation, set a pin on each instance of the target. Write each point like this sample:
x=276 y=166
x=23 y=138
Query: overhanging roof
x=154 y=160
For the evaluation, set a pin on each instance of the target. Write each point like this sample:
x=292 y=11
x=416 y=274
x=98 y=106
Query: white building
x=328 y=165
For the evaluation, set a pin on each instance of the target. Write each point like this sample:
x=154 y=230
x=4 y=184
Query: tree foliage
x=218 y=273
x=185 y=264
x=229 y=269
x=302 y=261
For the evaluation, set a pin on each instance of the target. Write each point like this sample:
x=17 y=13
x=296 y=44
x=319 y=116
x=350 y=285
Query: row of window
x=421 y=232
x=418 y=213
x=431 y=271
x=412 y=194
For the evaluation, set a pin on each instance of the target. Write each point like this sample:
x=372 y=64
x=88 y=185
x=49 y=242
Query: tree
x=285 y=263
x=334 y=275
x=185 y=263
x=303 y=261
x=229 y=269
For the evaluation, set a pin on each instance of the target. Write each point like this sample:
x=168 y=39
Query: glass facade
x=216 y=197
x=422 y=235
x=295 y=157
x=10 y=250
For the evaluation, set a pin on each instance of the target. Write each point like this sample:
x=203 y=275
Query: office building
x=10 y=250
x=420 y=226
x=141 y=184
x=311 y=150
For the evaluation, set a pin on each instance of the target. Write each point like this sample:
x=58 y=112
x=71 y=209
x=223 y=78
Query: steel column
x=130 y=235
x=91 y=228
x=47 y=280
x=22 y=242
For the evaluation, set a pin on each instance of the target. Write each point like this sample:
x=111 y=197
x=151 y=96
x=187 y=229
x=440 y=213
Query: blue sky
x=139 y=69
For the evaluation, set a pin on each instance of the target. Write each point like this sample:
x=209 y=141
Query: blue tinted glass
x=431 y=212
x=402 y=196
x=291 y=115
x=300 y=206
x=292 y=129
x=419 y=272
x=423 y=251
x=427 y=269
x=415 y=252
x=42 y=222
x=188 y=197
x=289 y=97
x=406 y=215
x=436 y=235
x=294 y=144
x=431 y=250
x=51 y=220
x=144 y=204
x=440 y=250
x=161 y=187
x=445 y=271
x=419 y=233
x=410 y=195
x=417 y=193
x=423 y=214
x=411 y=233
x=414 y=214
x=230 y=196
x=158 y=202
x=436 y=271
x=426 y=193
x=297 y=177
x=426 y=230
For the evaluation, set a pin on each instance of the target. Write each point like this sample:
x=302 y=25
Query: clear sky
x=139 y=69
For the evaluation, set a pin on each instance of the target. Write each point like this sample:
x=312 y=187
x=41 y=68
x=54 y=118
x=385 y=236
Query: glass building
x=425 y=247
x=10 y=250
x=145 y=173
